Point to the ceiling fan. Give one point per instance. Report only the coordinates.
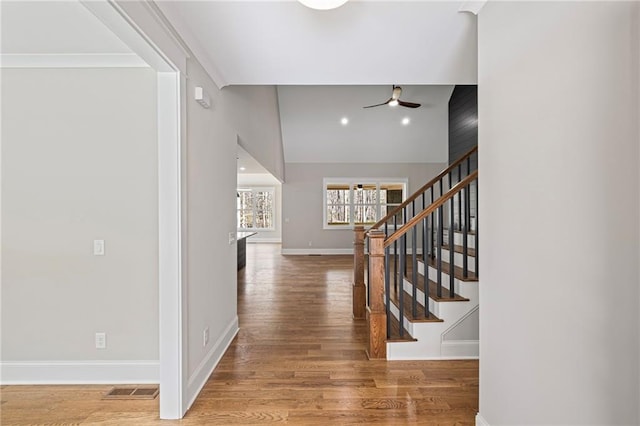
(395, 100)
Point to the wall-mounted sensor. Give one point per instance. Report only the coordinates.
(202, 98)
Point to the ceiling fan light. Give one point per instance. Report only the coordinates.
(323, 4)
(393, 102)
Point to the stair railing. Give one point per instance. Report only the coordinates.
(401, 214)
(379, 284)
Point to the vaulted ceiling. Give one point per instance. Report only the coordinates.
(327, 64)
(362, 42)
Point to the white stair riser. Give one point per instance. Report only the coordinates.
(440, 309)
(458, 259)
(460, 286)
(458, 239)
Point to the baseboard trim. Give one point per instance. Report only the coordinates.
(306, 252)
(79, 372)
(201, 374)
(480, 421)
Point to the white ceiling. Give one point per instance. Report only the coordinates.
(363, 42)
(47, 27)
(312, 131)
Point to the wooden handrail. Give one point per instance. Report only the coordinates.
(439, 202)
(424, 188)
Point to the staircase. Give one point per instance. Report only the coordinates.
(402, 271)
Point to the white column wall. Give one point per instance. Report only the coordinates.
(559, 192)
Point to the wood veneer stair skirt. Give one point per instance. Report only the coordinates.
(132, 392)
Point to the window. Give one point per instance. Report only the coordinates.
(255, 208)
(349, 202)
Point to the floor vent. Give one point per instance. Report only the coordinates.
(132, 392)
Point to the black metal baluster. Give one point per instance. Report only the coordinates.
(439, 250)
(404, 244)
(395, 254)
(452, 251)
(403, 261)
(387, 289)
(414, 270)
(465, 233)
(431, 236)
(425, 223)
(459, 198)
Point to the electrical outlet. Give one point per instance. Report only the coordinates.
(310, 243)
(101, 340)
(205, 336)
(232, 237)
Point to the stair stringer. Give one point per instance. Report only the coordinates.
(430, 344)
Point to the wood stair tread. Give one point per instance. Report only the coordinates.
(433, 291)
(459, 249)
(458, 273)
(407, 308)
(394, 332)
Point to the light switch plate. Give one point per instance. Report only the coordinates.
(232, 237)
(98, 247)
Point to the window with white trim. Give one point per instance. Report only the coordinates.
(256, 209)
(359, 201)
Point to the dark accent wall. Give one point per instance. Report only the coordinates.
(463, 121)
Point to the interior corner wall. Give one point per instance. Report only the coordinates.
(79, 163)
(559, 195)
(254, 111)
(302, 198)
(212, 136)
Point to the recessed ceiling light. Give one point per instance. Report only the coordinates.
(242, 169)
(344, 121)
(405, 121)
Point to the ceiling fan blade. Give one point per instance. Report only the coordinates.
(408, 104)
(384, 103)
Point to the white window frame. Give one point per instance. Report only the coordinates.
(351, 181)
(255, 189)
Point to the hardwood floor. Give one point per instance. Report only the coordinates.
(298, 358)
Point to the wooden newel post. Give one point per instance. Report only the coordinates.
(376, 311)
(359, 290)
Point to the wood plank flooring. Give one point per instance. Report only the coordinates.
(298, 359)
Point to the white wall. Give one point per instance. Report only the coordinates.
(253, 110)
(302, 199)
(265, 180)
(558, 146)
(79, 162)
(211, 201)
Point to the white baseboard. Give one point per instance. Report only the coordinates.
(203, 371)
(256, 240)
(480, 421)
(79, 372)
(326, 251)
